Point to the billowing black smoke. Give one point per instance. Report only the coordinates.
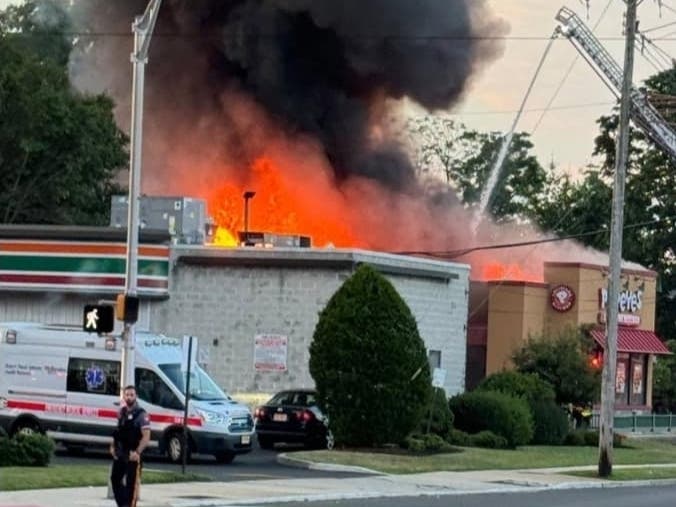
(318, 67)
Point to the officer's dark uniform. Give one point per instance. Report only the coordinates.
(126, 474)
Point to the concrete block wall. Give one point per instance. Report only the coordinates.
(440, 310)
(225, 306)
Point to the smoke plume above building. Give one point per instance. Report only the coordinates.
(319, 68)
(294, 99)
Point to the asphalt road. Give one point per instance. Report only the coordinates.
(259, 464)
(656, 496)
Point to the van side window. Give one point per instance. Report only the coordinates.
(94, 376)
(152, 389)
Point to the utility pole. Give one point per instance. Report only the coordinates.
(142, 28)
(605, 467)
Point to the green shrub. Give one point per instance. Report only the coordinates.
(550, 423)
(441, 420)
(500, 413)
(489, 440)
(562, 359)
(458, 437)
(26, 450)
(529, 386)
(574, 438)
(590, 438)
(414, 443)
(428, 442)
(369, 363)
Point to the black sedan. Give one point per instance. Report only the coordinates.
(293, 417)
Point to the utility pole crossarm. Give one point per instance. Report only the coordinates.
(644, 114)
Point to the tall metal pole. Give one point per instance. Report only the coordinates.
(605, 466)
(142, 27)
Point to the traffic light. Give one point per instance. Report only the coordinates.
(596, 358)
(98, 319)
(126, 308)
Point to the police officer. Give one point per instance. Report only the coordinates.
(129, 440)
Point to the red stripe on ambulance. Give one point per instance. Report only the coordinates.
(103, 413)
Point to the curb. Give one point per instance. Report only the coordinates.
(286, 460)
(433, 492)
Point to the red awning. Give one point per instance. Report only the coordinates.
(637, 341)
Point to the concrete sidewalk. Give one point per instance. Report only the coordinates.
(216, 494)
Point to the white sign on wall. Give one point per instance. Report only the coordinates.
(270, 351)
(438, 377)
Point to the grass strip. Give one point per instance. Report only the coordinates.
(637, 452)
(73, 476)
(631, 474)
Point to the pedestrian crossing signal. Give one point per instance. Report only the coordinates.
(98, 319)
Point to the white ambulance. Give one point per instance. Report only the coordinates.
(64, 382)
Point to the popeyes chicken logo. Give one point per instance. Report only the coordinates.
(562, 298)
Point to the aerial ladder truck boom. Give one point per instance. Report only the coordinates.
(643, 114)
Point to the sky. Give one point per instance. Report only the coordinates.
(567, 131)
(565, 135)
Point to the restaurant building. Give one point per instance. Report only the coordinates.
(504, 314)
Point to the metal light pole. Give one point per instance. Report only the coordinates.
(249, 194)
(142, 27)
(605, 467)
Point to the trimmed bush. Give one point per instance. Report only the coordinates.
(590, 438)
(562, 360)
(458, 437)
(441, 420)
(428, 442)
(500, 413)
(574, 438)
(26, 450)
(489, 440)
(550, 423)
(529, 386)
(369, 363)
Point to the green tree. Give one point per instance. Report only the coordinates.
(466, 157)
(59, 150)
(664, 390)
(563, 361)
(41, 26)
(369, 363)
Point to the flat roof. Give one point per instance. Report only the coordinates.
(345, 258)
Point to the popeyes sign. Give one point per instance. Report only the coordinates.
(629, 304)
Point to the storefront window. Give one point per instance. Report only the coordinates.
(621, 380)
(637, 395)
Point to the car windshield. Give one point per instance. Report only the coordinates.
(201, 386)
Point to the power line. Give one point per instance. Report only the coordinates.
(452, 254)
(533, 110)
(238, 36)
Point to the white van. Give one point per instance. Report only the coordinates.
(66, 383)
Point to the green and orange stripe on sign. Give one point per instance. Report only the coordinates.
(80, 266)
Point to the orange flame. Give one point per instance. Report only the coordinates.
(281, 205)
(495, 271)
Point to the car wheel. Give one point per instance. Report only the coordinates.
(176, 447)
(225, 457)
(265, 442)
(26, 427)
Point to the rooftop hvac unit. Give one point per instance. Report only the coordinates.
(183, 217)
(270, 240)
